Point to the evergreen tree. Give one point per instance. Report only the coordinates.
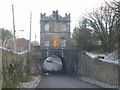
(82, 36)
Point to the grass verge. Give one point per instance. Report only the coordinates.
(10, 86)
(26, 78)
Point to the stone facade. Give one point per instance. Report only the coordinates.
(69, 60)
(55, 31)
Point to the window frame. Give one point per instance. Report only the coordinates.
(63, 27)
(63, 43)
(46, 27)
(47, 43)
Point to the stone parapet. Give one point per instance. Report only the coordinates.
(99, 70)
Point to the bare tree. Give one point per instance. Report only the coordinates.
(116, 7)
(104, 24)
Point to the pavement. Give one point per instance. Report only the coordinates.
(63, 81)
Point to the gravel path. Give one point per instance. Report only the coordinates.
(32, 84)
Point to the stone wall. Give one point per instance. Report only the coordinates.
(98, 70)
(35, 60)
(71, 58)
(0, 69)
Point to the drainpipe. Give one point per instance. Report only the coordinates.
(62, 52)
(47, 52)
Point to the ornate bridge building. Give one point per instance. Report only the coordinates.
(55, 40)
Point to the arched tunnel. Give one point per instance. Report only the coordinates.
(69, 59)
(56, 59)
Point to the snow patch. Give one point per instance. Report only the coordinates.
(109, 58)
(13, 51)
(93, 55)
(4, 48)
(22, 52)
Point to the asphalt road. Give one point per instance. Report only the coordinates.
(63, 81)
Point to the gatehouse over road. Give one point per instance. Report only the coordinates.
(55, 40)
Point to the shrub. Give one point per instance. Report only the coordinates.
(14, 68)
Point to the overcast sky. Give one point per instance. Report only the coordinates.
(22, 9)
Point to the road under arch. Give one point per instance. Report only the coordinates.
(57, 60)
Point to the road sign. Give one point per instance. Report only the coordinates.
(55, 43)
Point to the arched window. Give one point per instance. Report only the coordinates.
(63, 27)
(46, 27)
(63, 43)
(47, 43)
